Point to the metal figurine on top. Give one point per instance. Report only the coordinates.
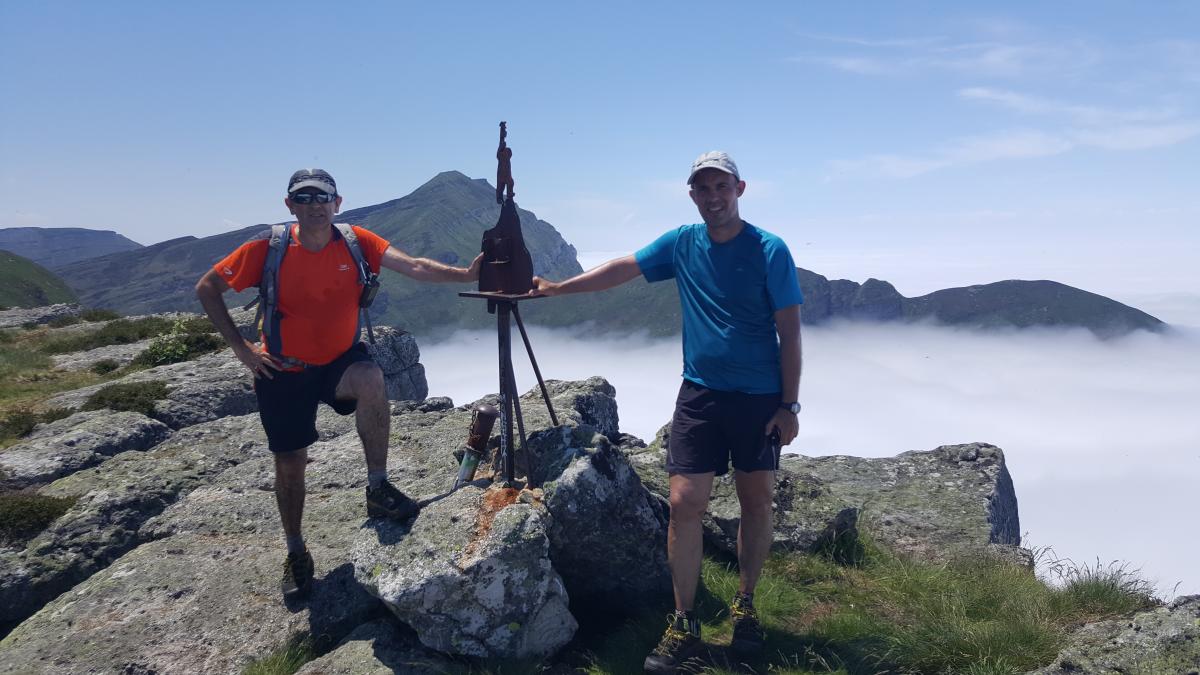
(504, 280)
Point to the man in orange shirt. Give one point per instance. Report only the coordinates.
(320, 359)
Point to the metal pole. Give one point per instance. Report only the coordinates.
(503, 332)
(533, 362)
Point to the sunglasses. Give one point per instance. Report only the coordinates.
(309, 197)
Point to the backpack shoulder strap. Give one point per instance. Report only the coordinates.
(365, 275)
(268, 288)
(351, 239)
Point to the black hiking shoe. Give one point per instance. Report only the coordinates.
(677, 646)
(386, 501)
(297, 575)
(748, 633)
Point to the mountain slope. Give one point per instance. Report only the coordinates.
(443, 219)
(55, 247)
(24, 283)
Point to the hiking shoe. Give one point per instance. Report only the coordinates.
(297, 575)
(748, 633)
(677, 646)
(386, 501)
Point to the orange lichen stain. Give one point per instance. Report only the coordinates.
(494, 499)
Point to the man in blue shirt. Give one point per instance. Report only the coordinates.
(741, 380)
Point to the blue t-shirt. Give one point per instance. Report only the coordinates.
(729, 293)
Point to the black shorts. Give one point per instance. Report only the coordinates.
(287, 403)
(710, 427)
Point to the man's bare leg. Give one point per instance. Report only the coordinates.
(755, 492)
(289, 489)
(685, 534)
(364, 381)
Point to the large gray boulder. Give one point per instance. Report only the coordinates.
(472, 576)
(114, 499)
(399, 358)
(929, 504)
(1162, 640)
(201, 591)
(608, 535)
(74, 443)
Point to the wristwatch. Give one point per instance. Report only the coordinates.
(793, 408)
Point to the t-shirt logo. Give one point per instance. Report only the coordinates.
(227, 271)
(343, 267)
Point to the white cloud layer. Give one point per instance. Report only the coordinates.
(1102, 438)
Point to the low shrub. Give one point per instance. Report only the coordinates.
(105, 366)
(21, 422)
(18, 423)
(98, 315)
(132, 396)
(64, 320)
(6, 337)
(187, 340)
(24, 515)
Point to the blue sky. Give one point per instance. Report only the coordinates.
(930, 144)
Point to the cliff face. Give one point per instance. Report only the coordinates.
(55, 247)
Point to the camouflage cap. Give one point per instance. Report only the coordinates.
(318, 178)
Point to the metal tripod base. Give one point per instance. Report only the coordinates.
(506, 309)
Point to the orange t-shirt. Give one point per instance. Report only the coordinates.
(318, 291)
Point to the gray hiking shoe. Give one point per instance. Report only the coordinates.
(297, 575)
(386, 501)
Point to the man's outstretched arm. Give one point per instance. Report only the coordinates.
(424, 269)
(612, 273)
(209, 290)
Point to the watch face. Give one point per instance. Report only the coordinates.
(793, 408)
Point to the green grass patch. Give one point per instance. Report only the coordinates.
(132, 396)
(24, 515)
(117, 332)
(976, 615)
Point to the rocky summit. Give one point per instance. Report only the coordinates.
(168, 557)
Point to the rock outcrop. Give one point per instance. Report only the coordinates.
(929, 504)
(74, 443)
(1162, 640)
(15, 318)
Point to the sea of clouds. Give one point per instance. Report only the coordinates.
(1102, 437)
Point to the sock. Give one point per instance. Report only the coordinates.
(295, 544)
(741, 599)
(686, 620)
(376, 478)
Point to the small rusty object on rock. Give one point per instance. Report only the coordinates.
(483, 418)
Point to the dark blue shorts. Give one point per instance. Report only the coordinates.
(712, 427)
(287, 403)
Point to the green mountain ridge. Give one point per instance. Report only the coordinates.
(444, 219)
(24, 283)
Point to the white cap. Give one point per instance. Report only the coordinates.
(714, 160)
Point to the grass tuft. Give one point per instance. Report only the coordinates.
(63, 321)
(284, 661)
